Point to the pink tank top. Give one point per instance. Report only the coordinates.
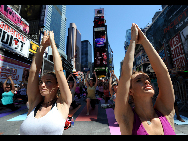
(138, 128)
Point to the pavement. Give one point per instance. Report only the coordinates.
(100, 122)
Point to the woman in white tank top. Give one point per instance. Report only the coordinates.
(49, 98)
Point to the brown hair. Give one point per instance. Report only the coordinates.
(51, 73)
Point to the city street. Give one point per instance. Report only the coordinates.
(100, 121)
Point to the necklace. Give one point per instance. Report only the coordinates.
(149, 122)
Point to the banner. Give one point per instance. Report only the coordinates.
(13, 40)
(99, 12)
(15, 68)
(14, 17)
(33, 47)
(171, 20)
(178, 55)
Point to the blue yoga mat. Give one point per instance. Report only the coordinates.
(179, 122)
(18, 118)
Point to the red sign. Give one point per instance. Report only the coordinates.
(14, 17)
(178, 55)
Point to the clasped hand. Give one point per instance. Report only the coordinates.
(48, 38)
(136, 34)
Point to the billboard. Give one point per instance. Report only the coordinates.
(178, 55)
(15, 68)
(100, 54)
(14, 17)
(171, 20)
(33, 47)
(99, 21)
(100, 57)
(170, 28)
(100, 39)
(99, 12)
(13, 40)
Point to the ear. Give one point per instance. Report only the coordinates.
(131, 92)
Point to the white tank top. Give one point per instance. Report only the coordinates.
(50, 124)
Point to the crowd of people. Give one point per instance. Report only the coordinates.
(50, 97)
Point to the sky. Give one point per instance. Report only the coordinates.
(118, 18)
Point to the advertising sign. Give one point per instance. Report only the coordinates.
(99, 28)
(99, 21)
(14, 17)
(13, 40)
(173, 19)
(99, 12)
(100, 57)
(15, 68)
(100, 39)
(178, 55)
(33, 47)
(184, 39)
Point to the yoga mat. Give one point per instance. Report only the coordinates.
(10, 111)
(179, 122)
(113, 125)
(92, 114)
(19, 118)
(71, 112)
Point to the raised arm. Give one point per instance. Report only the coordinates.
(12, 83)
(4, 84)
(74, 87)
(110, 86)
(125, 117)
(96, 79)
(66, 96)
(34, 96)
(87, 84)
(165, 99)
(68, 77)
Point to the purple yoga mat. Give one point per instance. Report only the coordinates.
(7, 112)
(113, 125)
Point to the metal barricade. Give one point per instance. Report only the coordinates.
(181, 93)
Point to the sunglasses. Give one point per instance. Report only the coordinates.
(7, 87)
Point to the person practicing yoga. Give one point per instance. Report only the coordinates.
(49, 98)
(144, 118)
(91, 88)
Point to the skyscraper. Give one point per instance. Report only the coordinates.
(56, 21)
(86, 55)
(73, 49)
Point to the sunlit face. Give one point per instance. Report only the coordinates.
(141, 86)
(48, 85)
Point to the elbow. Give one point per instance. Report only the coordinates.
(58, 69)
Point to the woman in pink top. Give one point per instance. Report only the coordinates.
(144, 118)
